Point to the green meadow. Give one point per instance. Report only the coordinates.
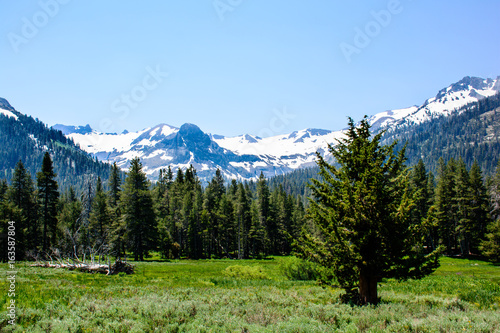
(247, 296)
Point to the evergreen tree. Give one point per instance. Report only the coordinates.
(490, 247)
(22, 194)
(48, 196)
(117, 225)
(445, 215)
(419, 184)
(137, 211)
(479, 210)
(68, 220)
(243, 221)
(8, 213)
(362, 214)
(264, 215)
(114, 184)
(462, 207)
(100, 219)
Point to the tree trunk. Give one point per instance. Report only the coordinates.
(368, 289)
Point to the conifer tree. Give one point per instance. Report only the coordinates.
(137, 211)
(243, 221)
(479, 211)
(48, 196)
(114, 184)
(444, 204)
(264, 215)
(361, 211)
(8, 213)
(68, 219)
(490, 246)
(100, 219)
(22, 194)
(462, 207)
(117, 225)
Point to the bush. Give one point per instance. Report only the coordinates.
(245, 272)
(297, 269)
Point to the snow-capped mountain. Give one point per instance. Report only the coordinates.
(7, 109)
(467, 90)
(246, 156)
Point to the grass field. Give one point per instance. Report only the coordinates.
(249, 296)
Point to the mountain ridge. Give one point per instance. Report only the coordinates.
(245, 156)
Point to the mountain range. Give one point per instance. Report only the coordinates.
(246, 156)
(462, 119)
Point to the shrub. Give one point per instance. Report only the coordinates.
(245, 272)
(297, 269)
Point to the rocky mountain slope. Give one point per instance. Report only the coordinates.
(246, 156)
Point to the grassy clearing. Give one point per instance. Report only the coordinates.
(248, 296)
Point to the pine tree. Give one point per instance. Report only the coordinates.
(100, 219)
(490, 247)
(419, 184)
(243, 221)
(8, 213)
(137, 212)
(48, 196)
(22, 194)
(462, 207)
(361, 211)
(114, 184)
(68, 220)
(443, 210)
(479, 210)
(264, 215)
(117, 225)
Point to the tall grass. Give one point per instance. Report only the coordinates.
(199, 296)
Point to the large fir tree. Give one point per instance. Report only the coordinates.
(48, 196)
(22, 194)
(361, 211)
(137, 211)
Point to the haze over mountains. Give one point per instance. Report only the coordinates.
(246, 156)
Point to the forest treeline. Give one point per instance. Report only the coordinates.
(179, 217)
(27, 139)
(471, 133)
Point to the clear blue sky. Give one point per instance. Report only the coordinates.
(237, 66)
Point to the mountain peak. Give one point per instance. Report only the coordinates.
(69, 129)
(4, 104)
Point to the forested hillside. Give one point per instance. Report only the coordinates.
(471, 132)
(26, 139)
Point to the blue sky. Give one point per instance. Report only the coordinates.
(237, 66)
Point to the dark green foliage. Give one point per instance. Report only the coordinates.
(363, 229)
(99, 219)
(136, 206)
(69, 218)
(48, 196)
(21, 194)
(460, 210)
(490, 246)
(472, 133)
(27, 140)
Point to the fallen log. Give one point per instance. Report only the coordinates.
(118, 267)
